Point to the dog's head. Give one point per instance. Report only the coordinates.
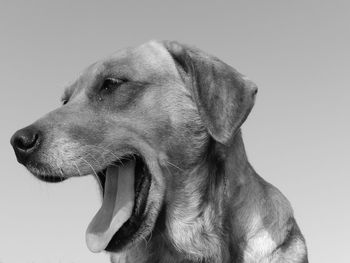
(130, 120)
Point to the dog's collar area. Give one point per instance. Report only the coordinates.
(131, 228)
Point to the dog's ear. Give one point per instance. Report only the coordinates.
(224, 97)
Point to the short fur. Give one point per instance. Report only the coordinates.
(181, 109)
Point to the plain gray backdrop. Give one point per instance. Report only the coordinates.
(297, 136)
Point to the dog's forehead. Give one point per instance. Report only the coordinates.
(143, 63)
(138, 63)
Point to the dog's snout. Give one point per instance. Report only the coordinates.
(24, 142)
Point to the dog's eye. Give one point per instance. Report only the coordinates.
(64, 102)
(110, 84)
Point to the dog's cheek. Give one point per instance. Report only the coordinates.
(187, 143)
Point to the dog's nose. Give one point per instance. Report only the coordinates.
(24, 142)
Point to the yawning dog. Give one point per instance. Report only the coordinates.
(159, 127)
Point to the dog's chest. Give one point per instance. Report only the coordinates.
(259, 242)
(259, 248)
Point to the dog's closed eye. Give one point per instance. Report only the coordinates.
(110, 84)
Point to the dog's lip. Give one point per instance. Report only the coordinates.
(45, 175)
(133, 227)
(50, 179)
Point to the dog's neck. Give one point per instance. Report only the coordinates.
(193, 224)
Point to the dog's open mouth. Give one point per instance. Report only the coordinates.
(118, 222)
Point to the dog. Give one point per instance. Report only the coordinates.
(159, 128)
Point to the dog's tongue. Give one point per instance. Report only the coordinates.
(117, 206)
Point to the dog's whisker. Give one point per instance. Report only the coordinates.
(149, 238)
(76, 166)
(94, 172)
(168, 170)
(106, 150)
(100, 156)
(97, 179)
(104, 153)
(97, 162)
(114, 165)
(181, 170)
(145, 240)
(60, 169)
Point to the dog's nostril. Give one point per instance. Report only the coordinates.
(25, 143)
(25, 140)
